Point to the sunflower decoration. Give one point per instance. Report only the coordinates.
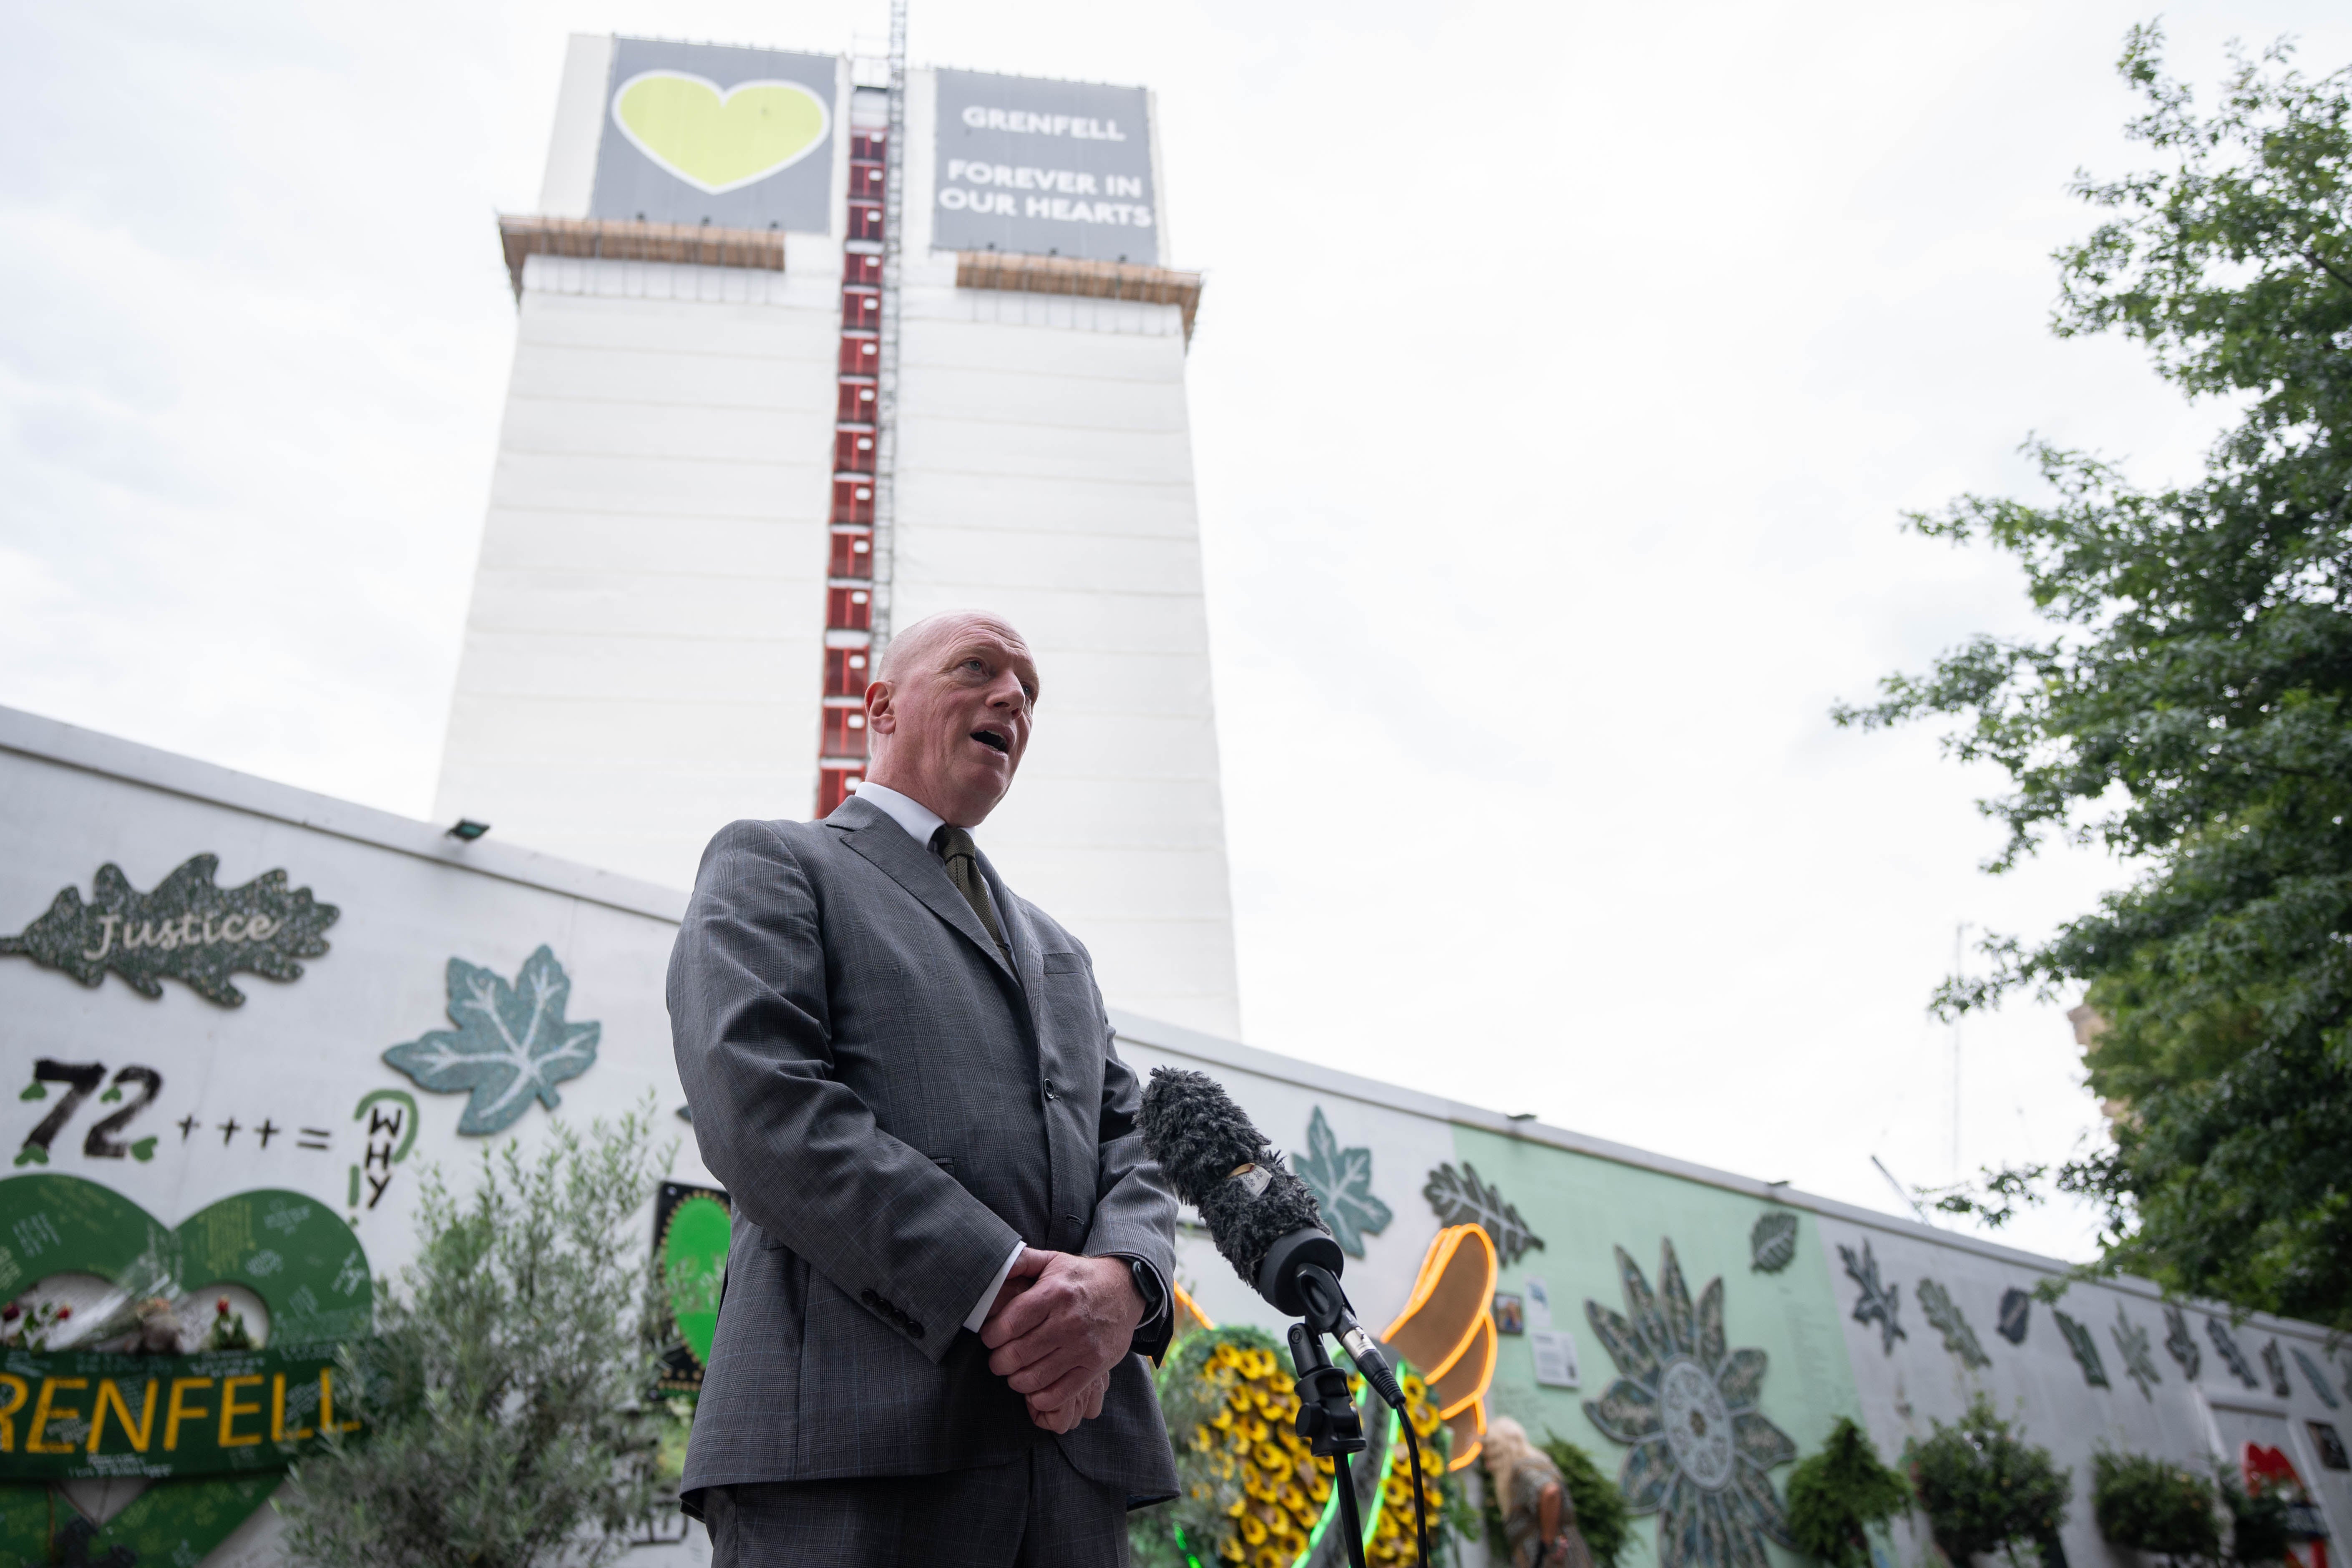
(1685, 1404)
(1250, 1494)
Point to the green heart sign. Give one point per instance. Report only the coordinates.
(291, 1250)
(718, 142)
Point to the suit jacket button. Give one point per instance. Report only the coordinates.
(916, 1329)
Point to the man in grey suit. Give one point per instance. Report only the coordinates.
(951, 1252)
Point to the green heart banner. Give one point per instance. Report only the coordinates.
(207, 1474)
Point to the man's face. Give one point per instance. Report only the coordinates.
(952, 722)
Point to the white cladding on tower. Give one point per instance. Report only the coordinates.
(646, 650)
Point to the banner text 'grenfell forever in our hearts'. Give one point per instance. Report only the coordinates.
(1044, 168)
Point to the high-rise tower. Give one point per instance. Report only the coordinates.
(752, 424)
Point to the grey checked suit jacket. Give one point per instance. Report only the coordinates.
(890, 1107)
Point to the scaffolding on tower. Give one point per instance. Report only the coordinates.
(886, 413)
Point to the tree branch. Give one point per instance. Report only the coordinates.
(2325, 265)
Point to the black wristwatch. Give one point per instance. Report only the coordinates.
(1147, 1285)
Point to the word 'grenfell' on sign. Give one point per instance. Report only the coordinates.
(1036, 167)
(187, 930)
(1025, 122)
(85, 1415)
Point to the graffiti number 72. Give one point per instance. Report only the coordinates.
(82, 1079)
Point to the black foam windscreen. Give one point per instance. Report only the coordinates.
(1222, 1165)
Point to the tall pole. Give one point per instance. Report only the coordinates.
(885, 374)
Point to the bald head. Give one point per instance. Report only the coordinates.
(949, 713)
(921, 642)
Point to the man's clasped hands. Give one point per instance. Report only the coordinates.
(1058, 1325)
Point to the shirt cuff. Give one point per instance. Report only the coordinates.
(988, 1296)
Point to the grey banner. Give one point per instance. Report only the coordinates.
(1044, 168)
(742, 138)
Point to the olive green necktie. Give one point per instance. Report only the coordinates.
(955, 846)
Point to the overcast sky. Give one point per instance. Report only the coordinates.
(1561, 375)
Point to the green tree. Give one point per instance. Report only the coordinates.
(1984, 1488)
(2144, 1503)
(1837, 1495)
(510, 1388)
(2187, 706)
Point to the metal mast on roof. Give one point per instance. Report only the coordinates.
(885, 374)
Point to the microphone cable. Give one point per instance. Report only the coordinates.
(1420, 1492)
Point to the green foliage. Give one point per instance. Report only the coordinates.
(1603, 1518)
(510, 1386)
(2189, 707)
(1836, 1496)
(2144, 1503)
(1983, 1487)
(2257, 1521)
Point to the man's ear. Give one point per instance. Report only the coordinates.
(881, 719)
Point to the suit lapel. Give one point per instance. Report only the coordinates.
(913, 867)
(1023, 937)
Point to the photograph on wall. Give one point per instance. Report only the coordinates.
(733, 136)
(1044, 168)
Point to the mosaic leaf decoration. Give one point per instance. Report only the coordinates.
(511, 1044)
(1772, 1245)
(2181, 1341)
(1880, 1304)
(2318, 1380)
(1461, 1198)
(187, 930)
(2275, 1365)
(1701, 1452)
(2085, 1349)
(2131, 1344)
(2231, 1356)
(1342, 1180)
(1944, 1315)
(2016, 1314)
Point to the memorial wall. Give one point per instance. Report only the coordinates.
(243, 1018)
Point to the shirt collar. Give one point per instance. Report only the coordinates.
(919, 820)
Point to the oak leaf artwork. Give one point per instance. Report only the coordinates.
(188, 930)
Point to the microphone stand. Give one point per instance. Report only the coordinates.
(1327, 1419)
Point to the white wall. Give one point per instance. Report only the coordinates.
(2040, 1385)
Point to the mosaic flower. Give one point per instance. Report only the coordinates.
(1685, 1405)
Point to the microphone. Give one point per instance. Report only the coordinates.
(1264, 1219)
